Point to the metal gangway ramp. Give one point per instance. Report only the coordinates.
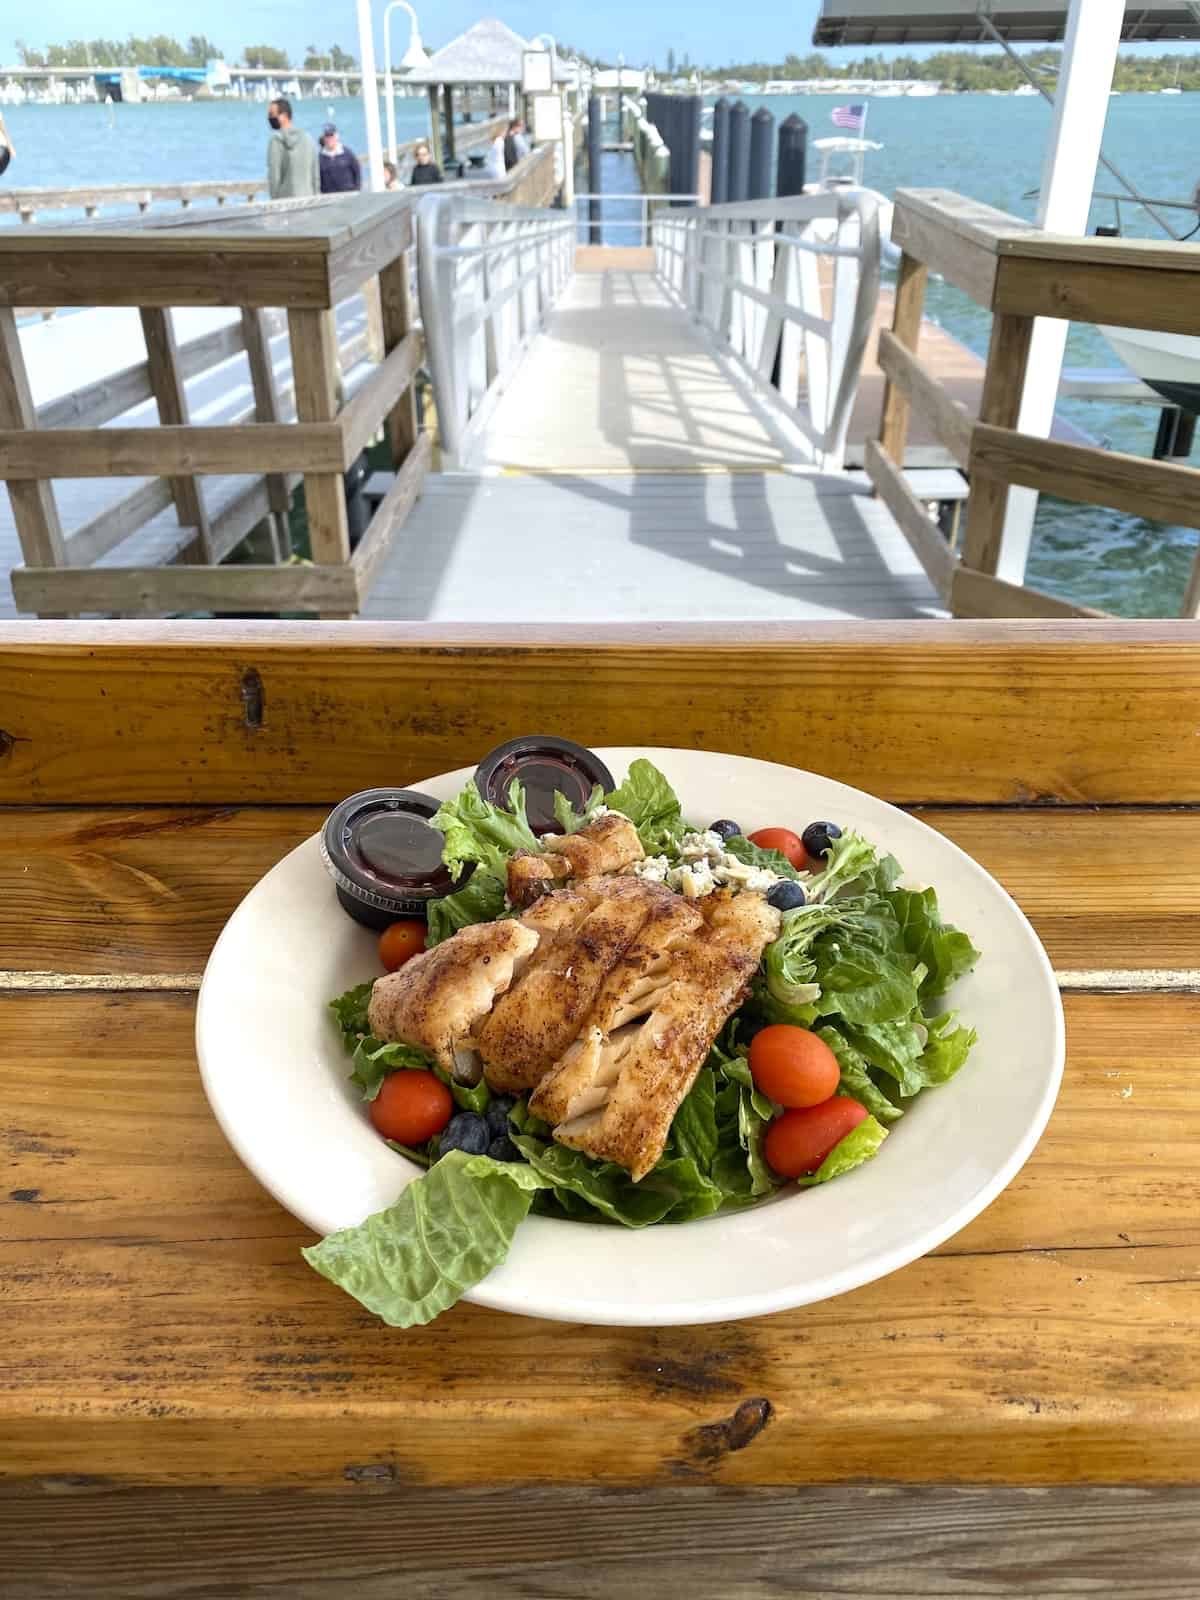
(649, 434)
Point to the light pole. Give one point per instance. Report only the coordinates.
(414, 56)
(370, 90)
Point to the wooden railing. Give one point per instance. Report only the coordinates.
(1019, 273)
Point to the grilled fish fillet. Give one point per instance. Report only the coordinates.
(435, 1001)
(615, 1097)
(610, 844)
(532, 1024)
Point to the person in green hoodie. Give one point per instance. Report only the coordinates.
(293, 168)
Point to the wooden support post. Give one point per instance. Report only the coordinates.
(315, 378)
(1008, 354)
(396, 306)
(266, 409)
(34, 510)
(162, 360)
(448, 108)
(911, 283)
(435, 126)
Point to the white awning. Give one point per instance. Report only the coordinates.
(867, 22)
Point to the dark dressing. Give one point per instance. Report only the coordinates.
(545, 765)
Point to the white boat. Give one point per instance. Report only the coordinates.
(890, 91)
(1025, 89)
(852, 155)
(922, 91)
(1168, 362)
(1170, 91)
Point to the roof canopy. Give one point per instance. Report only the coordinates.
(489, 52)
(957, 21)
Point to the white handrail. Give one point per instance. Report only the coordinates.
(489, 274)
(750, 274)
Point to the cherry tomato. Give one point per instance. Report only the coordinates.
(411, 1106)
(401, 942)
(785, 841)
(792, 1066)
(798, 1141)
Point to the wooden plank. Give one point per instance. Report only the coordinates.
(982, 594)
(369, 253)
(965, 256)
(128, 275)
(1156, 489)
(965, 712)
(1087, 291)
(164, 451)
(107, 529)
(34, 510)
(1003, 386)
(392, 512)
(909, 381)
(157, 591)
(244, 513)
(315, 379)
(926, 538)
(170, 398)
(909, 306)
(395, 300)
(266, 409)
(381, 395)
(162, 1327)
(112, 396)
(146, 891)
(689, 1543)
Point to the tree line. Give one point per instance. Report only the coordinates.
(160, 50)
(965, 70)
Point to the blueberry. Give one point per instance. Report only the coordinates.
(496, 1115)
(504, 1150)
(786, 896)
(819, 836)
(724, 829)
(467, 1131)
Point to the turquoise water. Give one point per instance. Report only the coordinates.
(985, 146)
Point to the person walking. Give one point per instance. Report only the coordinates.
(340, 171)
(425, 168)
(512, 144)
(494, 167)
(293, 169)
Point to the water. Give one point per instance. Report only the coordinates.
(989, 147)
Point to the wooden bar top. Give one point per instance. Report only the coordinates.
(160, 1326)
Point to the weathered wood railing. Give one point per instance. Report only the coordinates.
(307, 256)
(1019, 273)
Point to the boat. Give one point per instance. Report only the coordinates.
(922, 91)
(852, 154)
(1025, 89)
(1168, 362)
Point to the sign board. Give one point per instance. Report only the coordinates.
(537, 74)
(547, 127)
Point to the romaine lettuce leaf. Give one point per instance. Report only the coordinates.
(859, 980)
(444, 1234)
(675, 1191)
(892, 1047)
(650, 803)
(851, 857)
(570, 820)
(481, 899)
(942, 949)
(789, 964)
(474, 830)
(755, 856)
(947, 1048)
(856, 1080)
(350, 1010)
(859, 1145)
(373, 1061)
(694, 1130)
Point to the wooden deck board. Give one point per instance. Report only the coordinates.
(634, 546)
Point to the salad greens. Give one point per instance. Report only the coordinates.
(863, 964)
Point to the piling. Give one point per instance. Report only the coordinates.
(720, 152)
(595, 149)
(793, 155)
(762, 136)
(739, 152)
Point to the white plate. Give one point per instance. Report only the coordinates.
(276, 1077)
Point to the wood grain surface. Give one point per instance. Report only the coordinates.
(1011, 713)
(682, 1544)
(147, 890)
(162, 1327)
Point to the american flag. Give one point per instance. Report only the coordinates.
(852, 118)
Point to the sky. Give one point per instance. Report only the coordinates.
(709, 30)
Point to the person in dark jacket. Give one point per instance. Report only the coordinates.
(513, 144)
(6, 147)
(425, 168)
(340, 171)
